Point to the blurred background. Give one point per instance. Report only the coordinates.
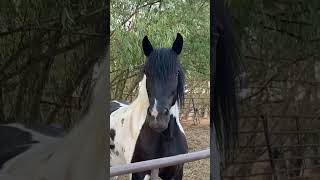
(280, 98)
(47, 54)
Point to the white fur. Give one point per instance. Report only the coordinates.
(174, 110)
(78, 156)
(127, 130)
(154, 111)
(146, 177)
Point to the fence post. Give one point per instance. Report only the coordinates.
(154, 174)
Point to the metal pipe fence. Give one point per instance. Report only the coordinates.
(155, 164)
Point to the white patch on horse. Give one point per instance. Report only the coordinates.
(174, 110)
(154, 111)
(127, 131)
(146, 177)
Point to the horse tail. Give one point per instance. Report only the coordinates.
(225, 66)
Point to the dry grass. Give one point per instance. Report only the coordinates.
(198, 138)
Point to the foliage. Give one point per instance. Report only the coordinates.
(161, 21)
(279, 42)
(46, 53)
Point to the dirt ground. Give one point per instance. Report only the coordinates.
(198, 138)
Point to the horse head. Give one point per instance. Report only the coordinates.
(164, 81)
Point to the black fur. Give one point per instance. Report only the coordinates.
(146, 45)
(224, 74)
(14, 141)
(163, 65)
(112, 134)
(152, 145)
(165, 82)
(115, 105)
(178, 44)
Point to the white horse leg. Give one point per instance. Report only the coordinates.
(146, 177)
(114, 178)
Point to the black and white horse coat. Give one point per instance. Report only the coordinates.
(79, 155)
(131, 140)
(125, 125)
(149, 128)
(17, 138)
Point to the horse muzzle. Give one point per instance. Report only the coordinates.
(158, 124)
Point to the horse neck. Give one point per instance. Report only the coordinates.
(139, 110)
(93, 124)
(88, 138)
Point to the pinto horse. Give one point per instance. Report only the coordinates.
(149, 127)
(78, 155)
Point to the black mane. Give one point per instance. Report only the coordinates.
(224, 74)
(163, 65)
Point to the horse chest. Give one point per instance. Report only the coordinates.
(122, 143)
(151, 145)
(122, 149)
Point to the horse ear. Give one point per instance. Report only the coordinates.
(177, 44)
(147, 47)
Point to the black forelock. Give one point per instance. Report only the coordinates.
(163, 64)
